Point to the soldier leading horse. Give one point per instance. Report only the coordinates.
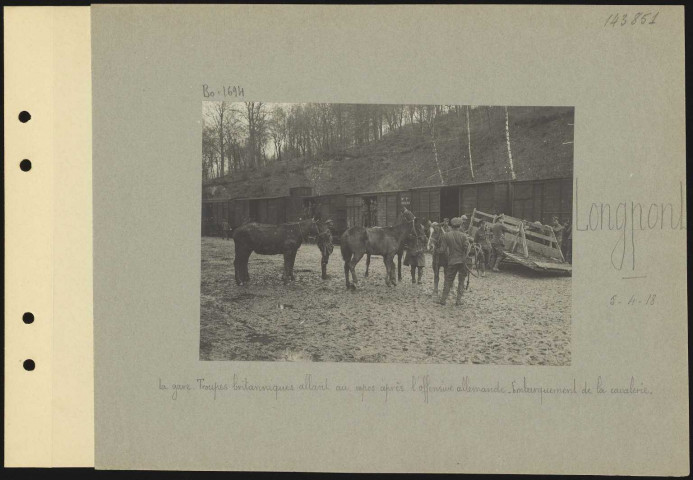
(266, 239)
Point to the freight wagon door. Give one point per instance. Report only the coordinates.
(426, 204)
(370, 211)
(337, 212)
(262, 211)
(381, 212)
(449, 202)
(484, 198)
(294, 208)
(468, 200)
(554, 202)
(501, 199)
(353, 209)
(240, 212)
(523, 201)
(276, 211)
(253, 210)
(391, 209)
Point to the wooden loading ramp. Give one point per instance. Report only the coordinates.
(538, 251)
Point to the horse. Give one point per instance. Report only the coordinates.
(440, 258)
(385, 241)
(266, 239)
(426, 224)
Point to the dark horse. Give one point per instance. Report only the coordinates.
(384, 241)
(265, 239)
(426, 229)
(440, 258)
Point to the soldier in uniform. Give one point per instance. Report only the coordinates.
(326, 247)
(415, 256)
(558, 230)
(457, 246)
(446, 225)
(405, 215)
(498, 241)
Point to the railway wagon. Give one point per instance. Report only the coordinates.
(332, 207)
(235, 212)
(275, 210)
(535, 200)
(532, 200)
(267, 210)
(543, 199)
(216, 212)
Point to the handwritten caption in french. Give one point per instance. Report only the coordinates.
(424, 387)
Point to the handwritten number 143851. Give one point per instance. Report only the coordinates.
(623, 19)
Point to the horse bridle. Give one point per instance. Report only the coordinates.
(300, 230)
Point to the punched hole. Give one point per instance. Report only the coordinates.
(29, 365)
(24, 116)
(28, 318)
(25, 165)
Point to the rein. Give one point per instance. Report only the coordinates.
(303, 237)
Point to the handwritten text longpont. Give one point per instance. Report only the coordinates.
(627, 217)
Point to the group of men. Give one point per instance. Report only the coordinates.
(457, 244)
(490, 237)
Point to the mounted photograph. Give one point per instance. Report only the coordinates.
(370, 233)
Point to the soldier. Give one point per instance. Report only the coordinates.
(498, 241)
(464, 226)
(326, 247)
(483, 239)
(446, 225)
(405, 215)
(457, 245)
(415, 256)
(558, 230)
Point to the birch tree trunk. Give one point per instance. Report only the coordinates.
(435, 149)
(507, 140)
(469, 144)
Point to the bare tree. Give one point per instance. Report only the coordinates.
(218, 117)
(255, 115)
(277, 125)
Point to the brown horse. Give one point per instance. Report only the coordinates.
(383, 241)
(426, 225)
(266, 239)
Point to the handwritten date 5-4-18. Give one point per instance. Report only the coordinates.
(633, 299)
(623, 19)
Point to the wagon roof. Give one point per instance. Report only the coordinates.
(276, 197)
(380, 192)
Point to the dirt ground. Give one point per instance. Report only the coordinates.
(511, 317)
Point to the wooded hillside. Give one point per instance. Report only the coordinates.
(340, 148)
